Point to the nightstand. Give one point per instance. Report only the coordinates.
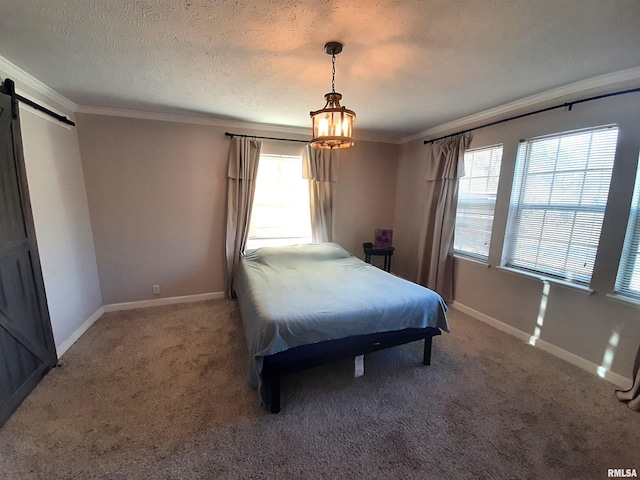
(387, 253)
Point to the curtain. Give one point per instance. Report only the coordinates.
(444, 165)
(320, 167)
(632, 395)
(242, 170)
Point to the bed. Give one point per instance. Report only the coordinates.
(306, 305)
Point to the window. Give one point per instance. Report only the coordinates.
(280, 214)
(476, 201)
(558, 203)
(628, 281)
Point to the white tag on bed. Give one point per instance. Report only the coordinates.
(359, 366)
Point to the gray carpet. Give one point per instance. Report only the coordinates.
(161, 393)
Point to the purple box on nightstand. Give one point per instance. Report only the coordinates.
(384, 238)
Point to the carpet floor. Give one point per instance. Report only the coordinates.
(161, 393)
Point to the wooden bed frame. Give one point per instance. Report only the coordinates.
(309, 356)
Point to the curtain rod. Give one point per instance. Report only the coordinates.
(567, 105)
(227, 134)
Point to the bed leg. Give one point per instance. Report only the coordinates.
(426, 360)
(274, 384)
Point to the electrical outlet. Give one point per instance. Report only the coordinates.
(156, 289)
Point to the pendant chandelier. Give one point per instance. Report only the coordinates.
(333, 125)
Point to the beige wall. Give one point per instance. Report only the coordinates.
(157, 198)
(409, 208)
(61, 218)
(574, 321)
(366, 192)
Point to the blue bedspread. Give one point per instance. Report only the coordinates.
(303, 294)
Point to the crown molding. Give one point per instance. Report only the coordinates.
(195, 119)
(20, 77)
(218, 122)
(583, 86)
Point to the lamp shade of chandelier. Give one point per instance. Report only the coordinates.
(333, 124)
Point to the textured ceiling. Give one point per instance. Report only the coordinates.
(406, 65)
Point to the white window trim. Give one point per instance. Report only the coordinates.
(578, 287)
(616, 297)
(474, 257)
(507, 240)
(252, 241)
(625, 271)
(470, 259)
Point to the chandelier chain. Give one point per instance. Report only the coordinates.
(333, 73)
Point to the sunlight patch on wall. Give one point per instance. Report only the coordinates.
(610, 352)
(543, 308)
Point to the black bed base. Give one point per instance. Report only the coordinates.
(309, 356)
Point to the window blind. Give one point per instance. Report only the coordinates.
(281, 212)
(558, 203)
(476, 201)
(628, 280)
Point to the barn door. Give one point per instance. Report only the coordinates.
(27, 351)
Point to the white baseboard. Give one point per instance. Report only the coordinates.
(114, 307)
(64, 346)
(612, 377)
